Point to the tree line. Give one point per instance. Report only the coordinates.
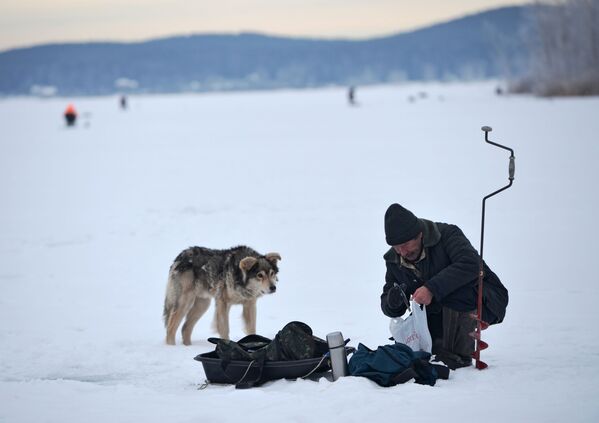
(564, 49)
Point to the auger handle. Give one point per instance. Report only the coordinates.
(512, 168)
(511, 172)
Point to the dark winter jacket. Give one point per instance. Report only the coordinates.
(450, 271)
(390, 365)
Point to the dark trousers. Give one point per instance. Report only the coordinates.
(450, 331)
(70, 118)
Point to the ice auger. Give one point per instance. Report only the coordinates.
(480, 323)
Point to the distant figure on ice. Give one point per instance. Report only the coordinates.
(351, 95)
(123, 102)
(70, 115)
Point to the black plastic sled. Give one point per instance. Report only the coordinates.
(237, 372)
(293, 353)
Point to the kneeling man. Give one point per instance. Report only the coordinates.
(436, 264)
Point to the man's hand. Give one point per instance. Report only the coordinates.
(423, 295)
(394, 298)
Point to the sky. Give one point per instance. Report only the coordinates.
(30, 22)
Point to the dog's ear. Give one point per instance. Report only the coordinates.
(273, 257)
(247, 263)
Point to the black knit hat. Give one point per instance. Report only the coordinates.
(400, 225)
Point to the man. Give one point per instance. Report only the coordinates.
(70, 115)
(437, 265)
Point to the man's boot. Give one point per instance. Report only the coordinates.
(457, 344)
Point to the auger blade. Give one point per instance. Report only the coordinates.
(483, 325)
(476, 353)
(481, 365)
(476, 335)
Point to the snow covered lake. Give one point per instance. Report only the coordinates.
(93, 216)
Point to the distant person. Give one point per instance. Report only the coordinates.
(436, 264)
(351, 95)
(123, 102)
(70, 115)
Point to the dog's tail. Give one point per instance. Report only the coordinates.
(169, 301)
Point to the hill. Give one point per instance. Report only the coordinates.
(474, 46)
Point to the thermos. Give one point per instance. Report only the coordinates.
(338, 354)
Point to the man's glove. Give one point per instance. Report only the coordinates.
(396, 296)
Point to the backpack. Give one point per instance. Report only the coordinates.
(294, 342)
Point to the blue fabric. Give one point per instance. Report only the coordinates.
(386, 365)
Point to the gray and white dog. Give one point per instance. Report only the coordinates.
(238, 275)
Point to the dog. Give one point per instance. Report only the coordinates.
(237, 275)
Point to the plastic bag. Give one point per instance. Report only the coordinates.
(413, 330)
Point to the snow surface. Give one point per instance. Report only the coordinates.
(93, 216)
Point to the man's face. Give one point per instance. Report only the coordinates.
(411, 249)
